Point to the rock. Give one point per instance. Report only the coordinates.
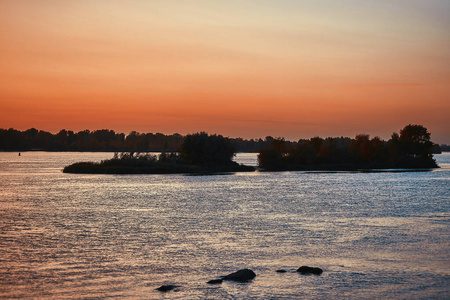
(215, 281)
(309, 270)
(281, 271)
(166, 288)
(243, 275)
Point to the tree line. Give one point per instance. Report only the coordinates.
(107, 140)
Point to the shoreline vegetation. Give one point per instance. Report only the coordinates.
(105, 140)
(201, 153)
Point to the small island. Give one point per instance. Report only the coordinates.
(200, 153)
(411, 149)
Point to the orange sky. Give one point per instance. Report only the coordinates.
(239, 68)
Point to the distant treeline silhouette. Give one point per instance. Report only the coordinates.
(106, 140)
(412, 148)
(306, 152)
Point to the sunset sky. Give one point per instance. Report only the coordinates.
(248, 69)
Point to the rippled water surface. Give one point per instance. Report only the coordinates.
(375, 235)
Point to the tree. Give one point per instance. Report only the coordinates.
(414, 141)
(273, 157)
(415, 133)
(361, 146)
(203, 149)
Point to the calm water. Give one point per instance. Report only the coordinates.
(376, 235)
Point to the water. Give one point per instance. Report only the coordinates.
(71, 236)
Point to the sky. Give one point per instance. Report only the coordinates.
(284, 68)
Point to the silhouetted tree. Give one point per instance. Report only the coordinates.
(273, 157)
(203, 149)
(415, 141)
(361, 147)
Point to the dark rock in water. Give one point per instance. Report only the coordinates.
(166, 288)
(309, 270)
(243, 275)
(281, 271)
(215, 281)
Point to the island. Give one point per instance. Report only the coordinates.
(411, 149)
(200, 153)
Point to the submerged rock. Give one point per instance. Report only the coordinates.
(309, 270)
(281, 271)
(243, 275)
(215, 281)
(166, 288)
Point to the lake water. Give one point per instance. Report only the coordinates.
(71, 236)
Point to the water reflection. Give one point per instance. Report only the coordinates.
(85, 236)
